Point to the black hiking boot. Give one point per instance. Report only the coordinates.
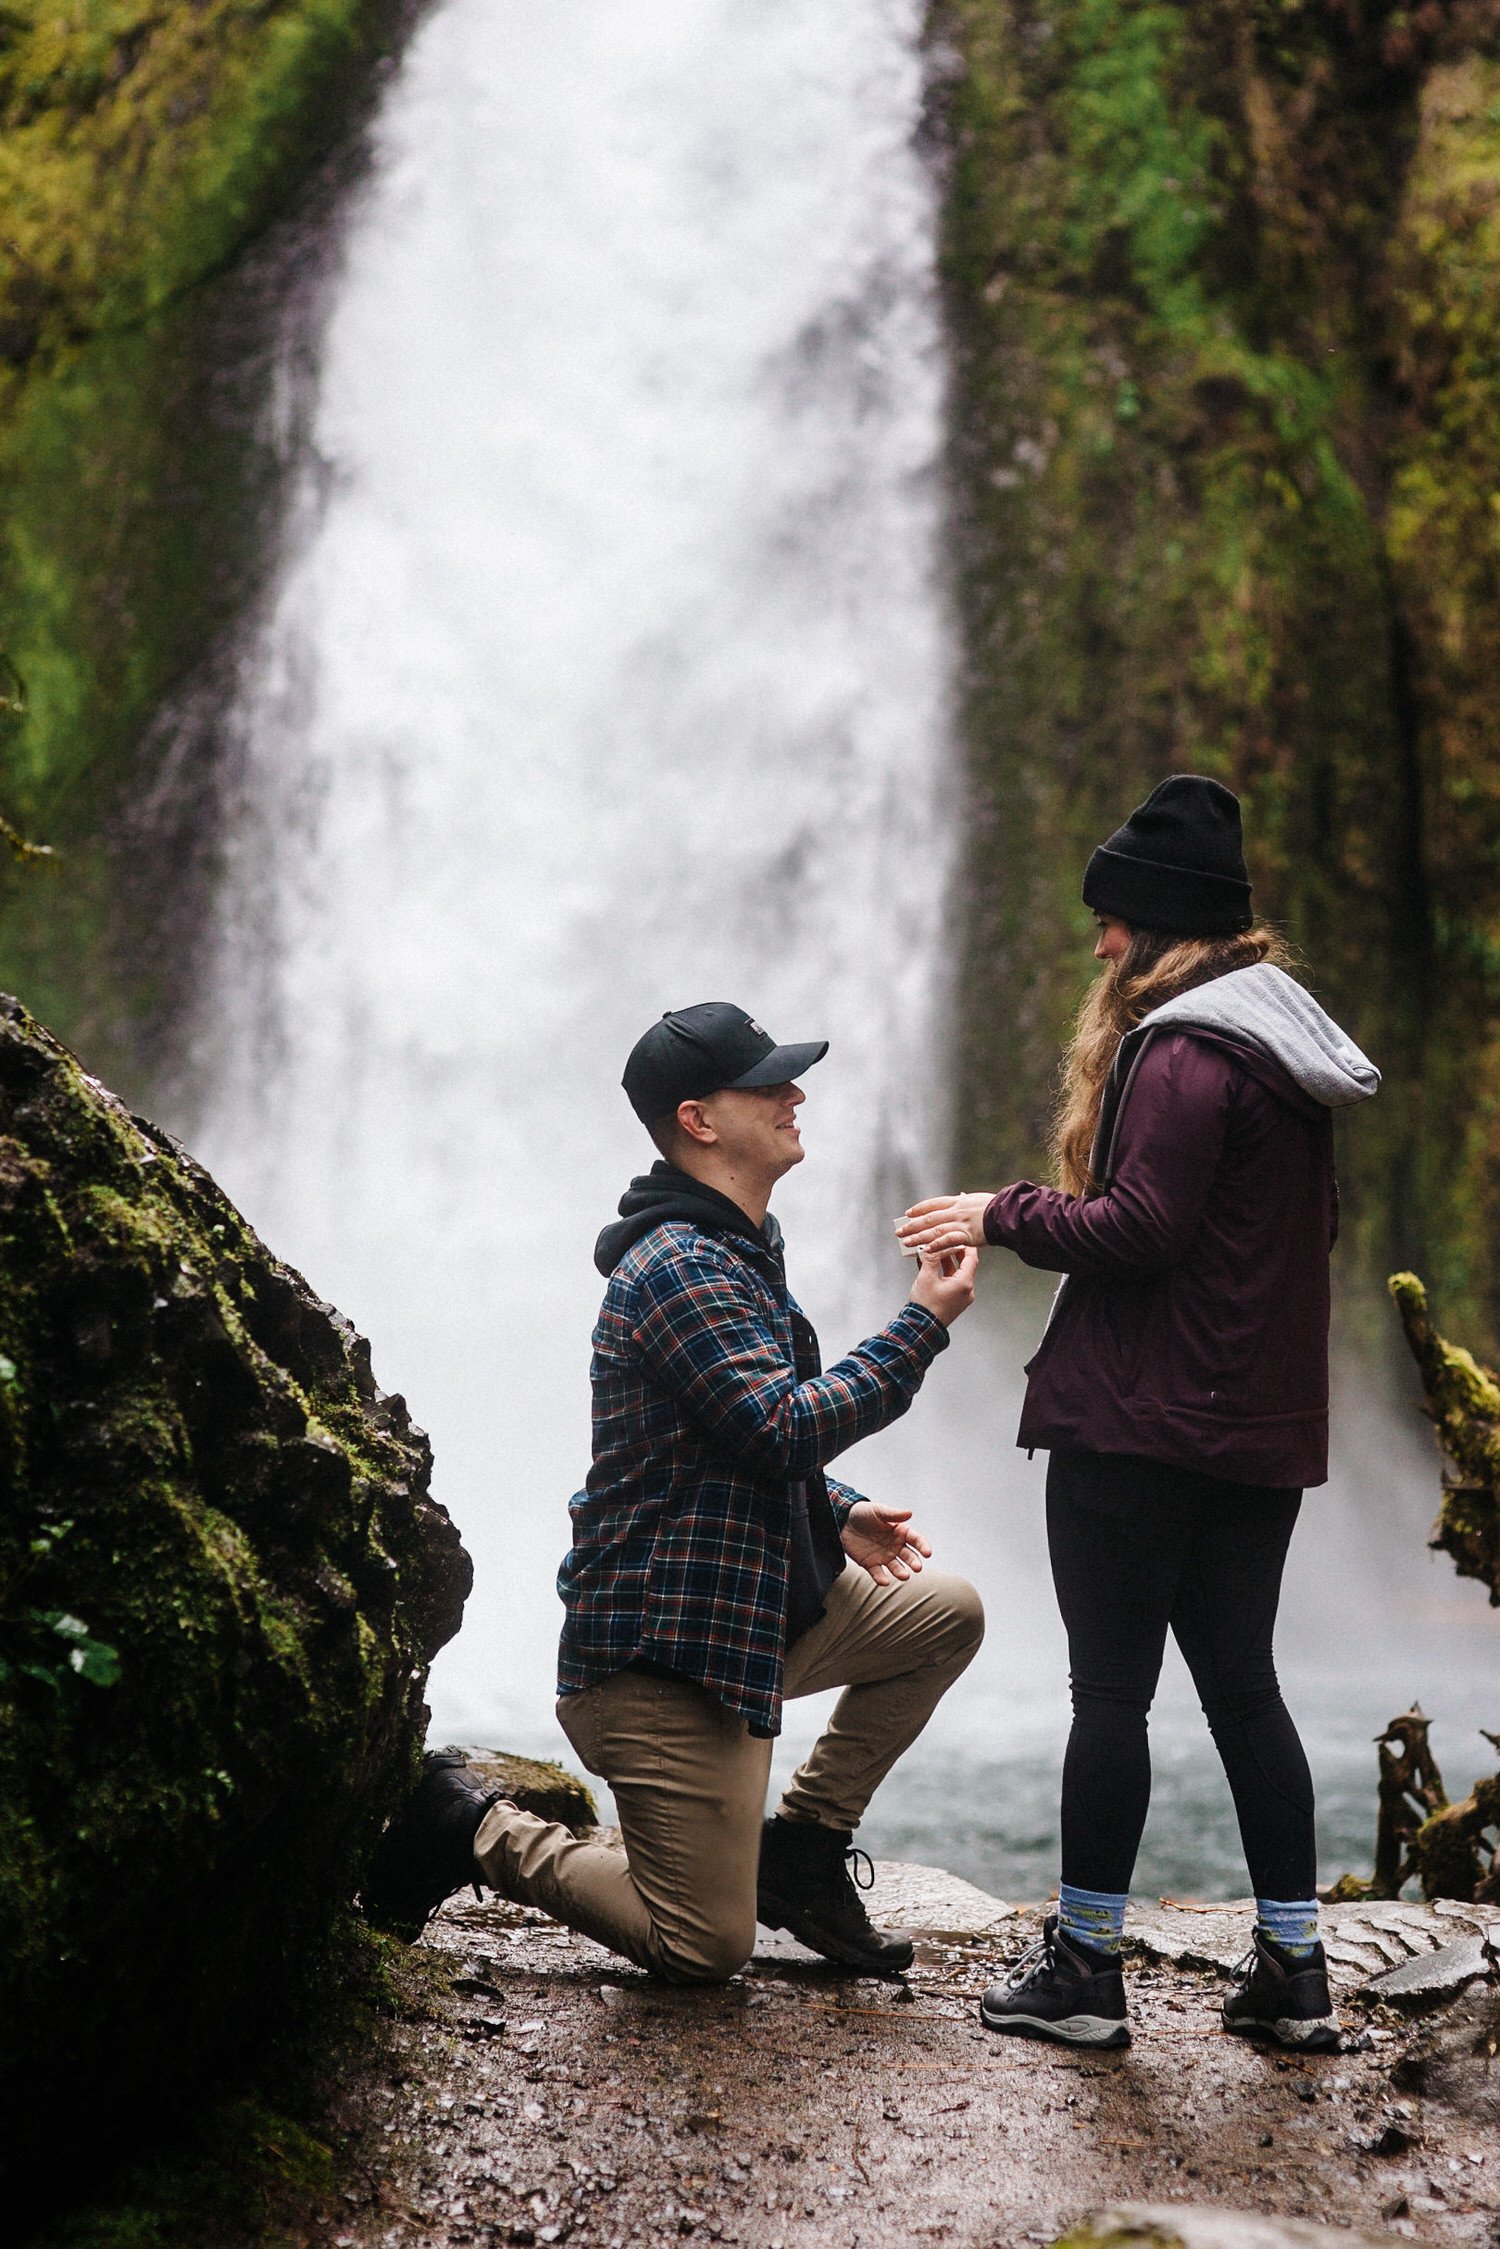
(1282, 1997)
(1062, 1991)
(807, 1885)
(427, 1852)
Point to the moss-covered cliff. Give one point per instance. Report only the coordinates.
(221, 1582)
(144, 150)
(1225, 297)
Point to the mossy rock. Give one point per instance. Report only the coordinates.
(537, 1785)
(222, 1580)
(1462, 1400)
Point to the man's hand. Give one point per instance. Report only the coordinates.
(944, 1285)
(880, 1539)
(946, 1222)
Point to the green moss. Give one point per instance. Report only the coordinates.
(261, 2164)
(1444, 543)
(537, 1785)
(1453, 1849)
(130, 538)
(142, 151)
(1199, 430)
(242, 1521)
(1114, 2231)
(141, 147)
(1463, 1402)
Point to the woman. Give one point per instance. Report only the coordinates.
(1181, 1389)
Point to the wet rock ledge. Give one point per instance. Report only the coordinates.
(222, 1579)
(559, 2096)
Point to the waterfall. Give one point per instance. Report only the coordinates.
(607, 673)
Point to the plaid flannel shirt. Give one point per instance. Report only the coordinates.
(708, 1401)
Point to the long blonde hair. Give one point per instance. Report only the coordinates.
(1154, 967)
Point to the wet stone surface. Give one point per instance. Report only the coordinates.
(1444, 1974)
(566, 2098)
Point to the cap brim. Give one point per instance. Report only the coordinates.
(780, 1066)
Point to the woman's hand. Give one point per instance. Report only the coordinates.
(947, 1222)
(880, 1539)
(944, 1285)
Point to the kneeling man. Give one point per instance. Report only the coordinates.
(709, 1575)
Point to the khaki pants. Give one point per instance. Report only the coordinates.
(677, 1893)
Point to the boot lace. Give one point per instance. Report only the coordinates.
(856, 1859)
(853, 1873)
(1035, 1961)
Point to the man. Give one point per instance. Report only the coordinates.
(709, 1577)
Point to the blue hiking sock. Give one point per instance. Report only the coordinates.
(1092, 1918)
(1290, 1923)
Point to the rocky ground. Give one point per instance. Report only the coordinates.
(562, 2097)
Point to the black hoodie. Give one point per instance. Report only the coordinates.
(815, 1554)
(664, 1192)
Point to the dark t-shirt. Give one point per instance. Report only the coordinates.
(809, 1573)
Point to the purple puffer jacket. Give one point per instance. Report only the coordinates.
(1193, 1325)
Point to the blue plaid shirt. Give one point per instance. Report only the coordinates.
(708, 1403)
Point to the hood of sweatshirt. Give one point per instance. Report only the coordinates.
(665, 1192)
(1264, 1008)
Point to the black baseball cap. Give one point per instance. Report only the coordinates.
(694, 1051)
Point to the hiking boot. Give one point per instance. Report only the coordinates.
(427, 1852)
(1280, 1996)
(807, 1884)
(1062, 1991)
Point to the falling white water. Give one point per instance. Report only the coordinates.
(610, 675)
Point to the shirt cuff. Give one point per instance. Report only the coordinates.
(920, 1331)
(841, 1499)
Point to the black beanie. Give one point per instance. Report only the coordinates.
(1177, 864)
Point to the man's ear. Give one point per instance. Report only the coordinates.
(692, 1119)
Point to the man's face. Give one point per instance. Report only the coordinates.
(756, 1127)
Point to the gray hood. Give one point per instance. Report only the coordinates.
(1263, 1007)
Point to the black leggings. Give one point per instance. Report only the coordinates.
(1137, 1547)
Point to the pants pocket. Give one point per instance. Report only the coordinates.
(583, 1722)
